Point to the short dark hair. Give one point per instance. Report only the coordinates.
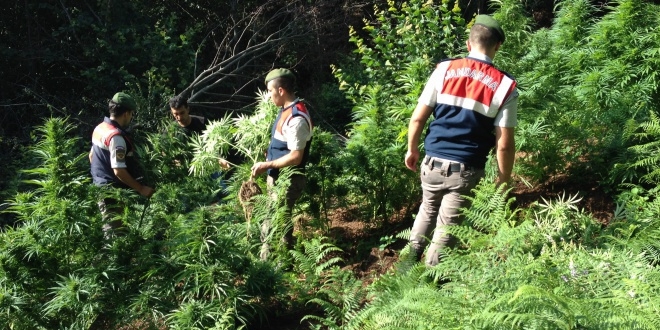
(116, 109)
(178, 102)
(484, 36)
(284, 82)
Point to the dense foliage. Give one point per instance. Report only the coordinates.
(588, 109)
(551, 266)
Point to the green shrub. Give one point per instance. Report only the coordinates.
(179, 256)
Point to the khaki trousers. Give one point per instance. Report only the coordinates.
(442, 198)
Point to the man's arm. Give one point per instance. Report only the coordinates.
(125, 177)
(415, 127)
(506, 152)
(118, 163)
(293, 158)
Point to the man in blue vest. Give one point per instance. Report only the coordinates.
(112, 160)
(291, 137)
(474, 106)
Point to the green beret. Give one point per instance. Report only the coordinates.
(490, 23)
(125, 100)
(279, 73)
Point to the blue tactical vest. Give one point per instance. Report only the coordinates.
(472, 94)
(102, 172)
(278, 148)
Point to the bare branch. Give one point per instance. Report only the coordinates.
(241, 51)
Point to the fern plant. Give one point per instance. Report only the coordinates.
(635, 223)
(640, 162)
(316, 258)
(340, 297)
(340, 294)
(518, 273)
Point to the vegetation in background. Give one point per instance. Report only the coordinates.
(587, 109)
(552, 266)
(581, 81)
(394, 61)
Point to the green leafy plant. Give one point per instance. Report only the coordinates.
(210, 147)
(316, 258)
(58, 271)
(340, 294)
(395, 58)
(340, 297)
(584, 78)
(519, 275)
(640, 162)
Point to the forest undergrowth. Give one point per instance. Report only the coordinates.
(573, 243)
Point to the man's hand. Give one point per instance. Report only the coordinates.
(223, 163)
(411, 160)
(506, 152)
(259, 168)
(125, 177)
(146, 191)
(415, 127)
(293, 158)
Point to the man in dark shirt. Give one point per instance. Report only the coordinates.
(189, 123)
(181, 113)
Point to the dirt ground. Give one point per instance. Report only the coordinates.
(369, 258)
(346, 227)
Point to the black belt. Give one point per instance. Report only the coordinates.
(453, 166)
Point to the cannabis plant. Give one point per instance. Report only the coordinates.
(180, 254)
(252, 133)
(584, 77)
(54, 237)
(394, 61)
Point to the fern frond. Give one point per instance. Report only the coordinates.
(490, 207)
(315, 258)
(340, 297)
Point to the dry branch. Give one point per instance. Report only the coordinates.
(257, 35)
